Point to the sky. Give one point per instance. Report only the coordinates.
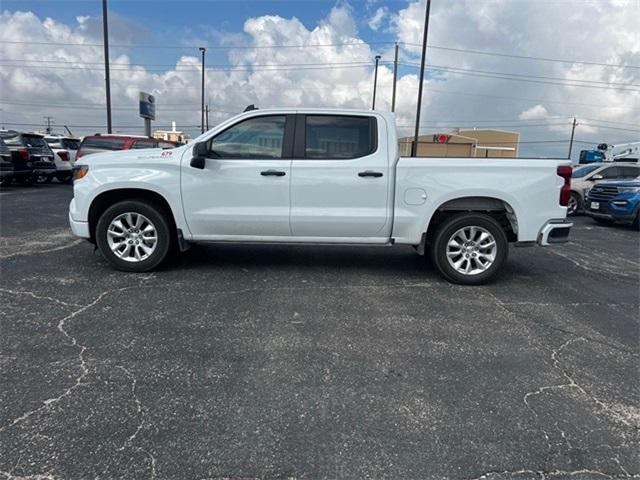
(520, 65)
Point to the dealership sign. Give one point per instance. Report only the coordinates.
(147, 106)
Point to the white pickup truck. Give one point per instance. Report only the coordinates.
(317, 176)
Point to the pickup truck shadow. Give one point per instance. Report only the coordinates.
(383, 260)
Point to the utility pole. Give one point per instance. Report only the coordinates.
(48, 119)
(395, 79)
(202, 50)
(105, 32)
(414, 145)
(573, 131)
(375, 83)
(207, 117)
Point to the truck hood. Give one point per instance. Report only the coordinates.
(134, 156)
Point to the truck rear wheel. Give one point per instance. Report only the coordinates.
(134, 236)
(469, 248)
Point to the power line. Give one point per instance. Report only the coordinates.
(523, 57)
(610, 127)
(522, 78)
(195, 68)
(195, 47)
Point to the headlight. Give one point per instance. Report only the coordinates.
(80, 171)
(628, 189)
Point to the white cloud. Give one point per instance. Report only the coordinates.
(602, 31)
(376, 20)
(534, 113)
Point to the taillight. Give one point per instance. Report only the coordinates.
(79, 154)
(565, 171)
(24, 154)
(64, 155)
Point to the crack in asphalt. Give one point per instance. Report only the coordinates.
(572, 384)
(544, 474)
(39, 297)
(49, 402)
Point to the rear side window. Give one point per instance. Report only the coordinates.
(70, 144)
(144, 144)
(12, 139)
(35, 141)
(629, 172)
(97, 144)
(339, 137)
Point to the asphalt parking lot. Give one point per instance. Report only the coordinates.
(283, 362)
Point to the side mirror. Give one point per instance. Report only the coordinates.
(597, 177)
(199, 155)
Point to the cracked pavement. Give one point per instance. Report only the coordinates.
(281, 362)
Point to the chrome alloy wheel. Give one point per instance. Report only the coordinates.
(132, 237)
(573, 205)
(471, 250)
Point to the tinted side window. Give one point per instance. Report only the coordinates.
(255, 138)
(97, 144)
(611, 172)
(144, 144)
(339, 136)
(630, 172)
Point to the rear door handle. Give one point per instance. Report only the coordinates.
(273, 173)
(370, 173)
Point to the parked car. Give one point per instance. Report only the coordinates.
(103, 143)
(318, 177)
(585, 176)
(31, 156)
(6, 165)
(615, 201)
(70, 144)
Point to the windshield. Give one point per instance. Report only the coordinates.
(70, 143)
(584, 171)
(35, 141)
(101, 144)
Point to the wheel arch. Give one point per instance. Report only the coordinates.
(107, 198)
(497, 208)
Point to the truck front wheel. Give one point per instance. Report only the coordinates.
(134, 236)
(469, 248)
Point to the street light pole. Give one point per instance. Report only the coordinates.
(375, 83)
(414, 145)
(105, 32)
(202, 50)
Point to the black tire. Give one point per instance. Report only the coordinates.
(26, 180)
(574, 208)
(445, 232)
(164, 233)
(42, 178)
(636, 223)
(63, 177)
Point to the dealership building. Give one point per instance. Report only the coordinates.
(487, 143)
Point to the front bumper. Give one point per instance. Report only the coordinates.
(78, 228)
(554, 231)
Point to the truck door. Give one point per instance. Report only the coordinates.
(243, 189)
(340, 177)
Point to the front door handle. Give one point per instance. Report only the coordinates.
(273, 173)
(370, 173)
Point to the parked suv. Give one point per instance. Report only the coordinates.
(31, 156)
(6, 165)
(585, 177)
(615, 201)
(103, 143)
(69, 144)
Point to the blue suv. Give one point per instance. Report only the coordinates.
(615, 200)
